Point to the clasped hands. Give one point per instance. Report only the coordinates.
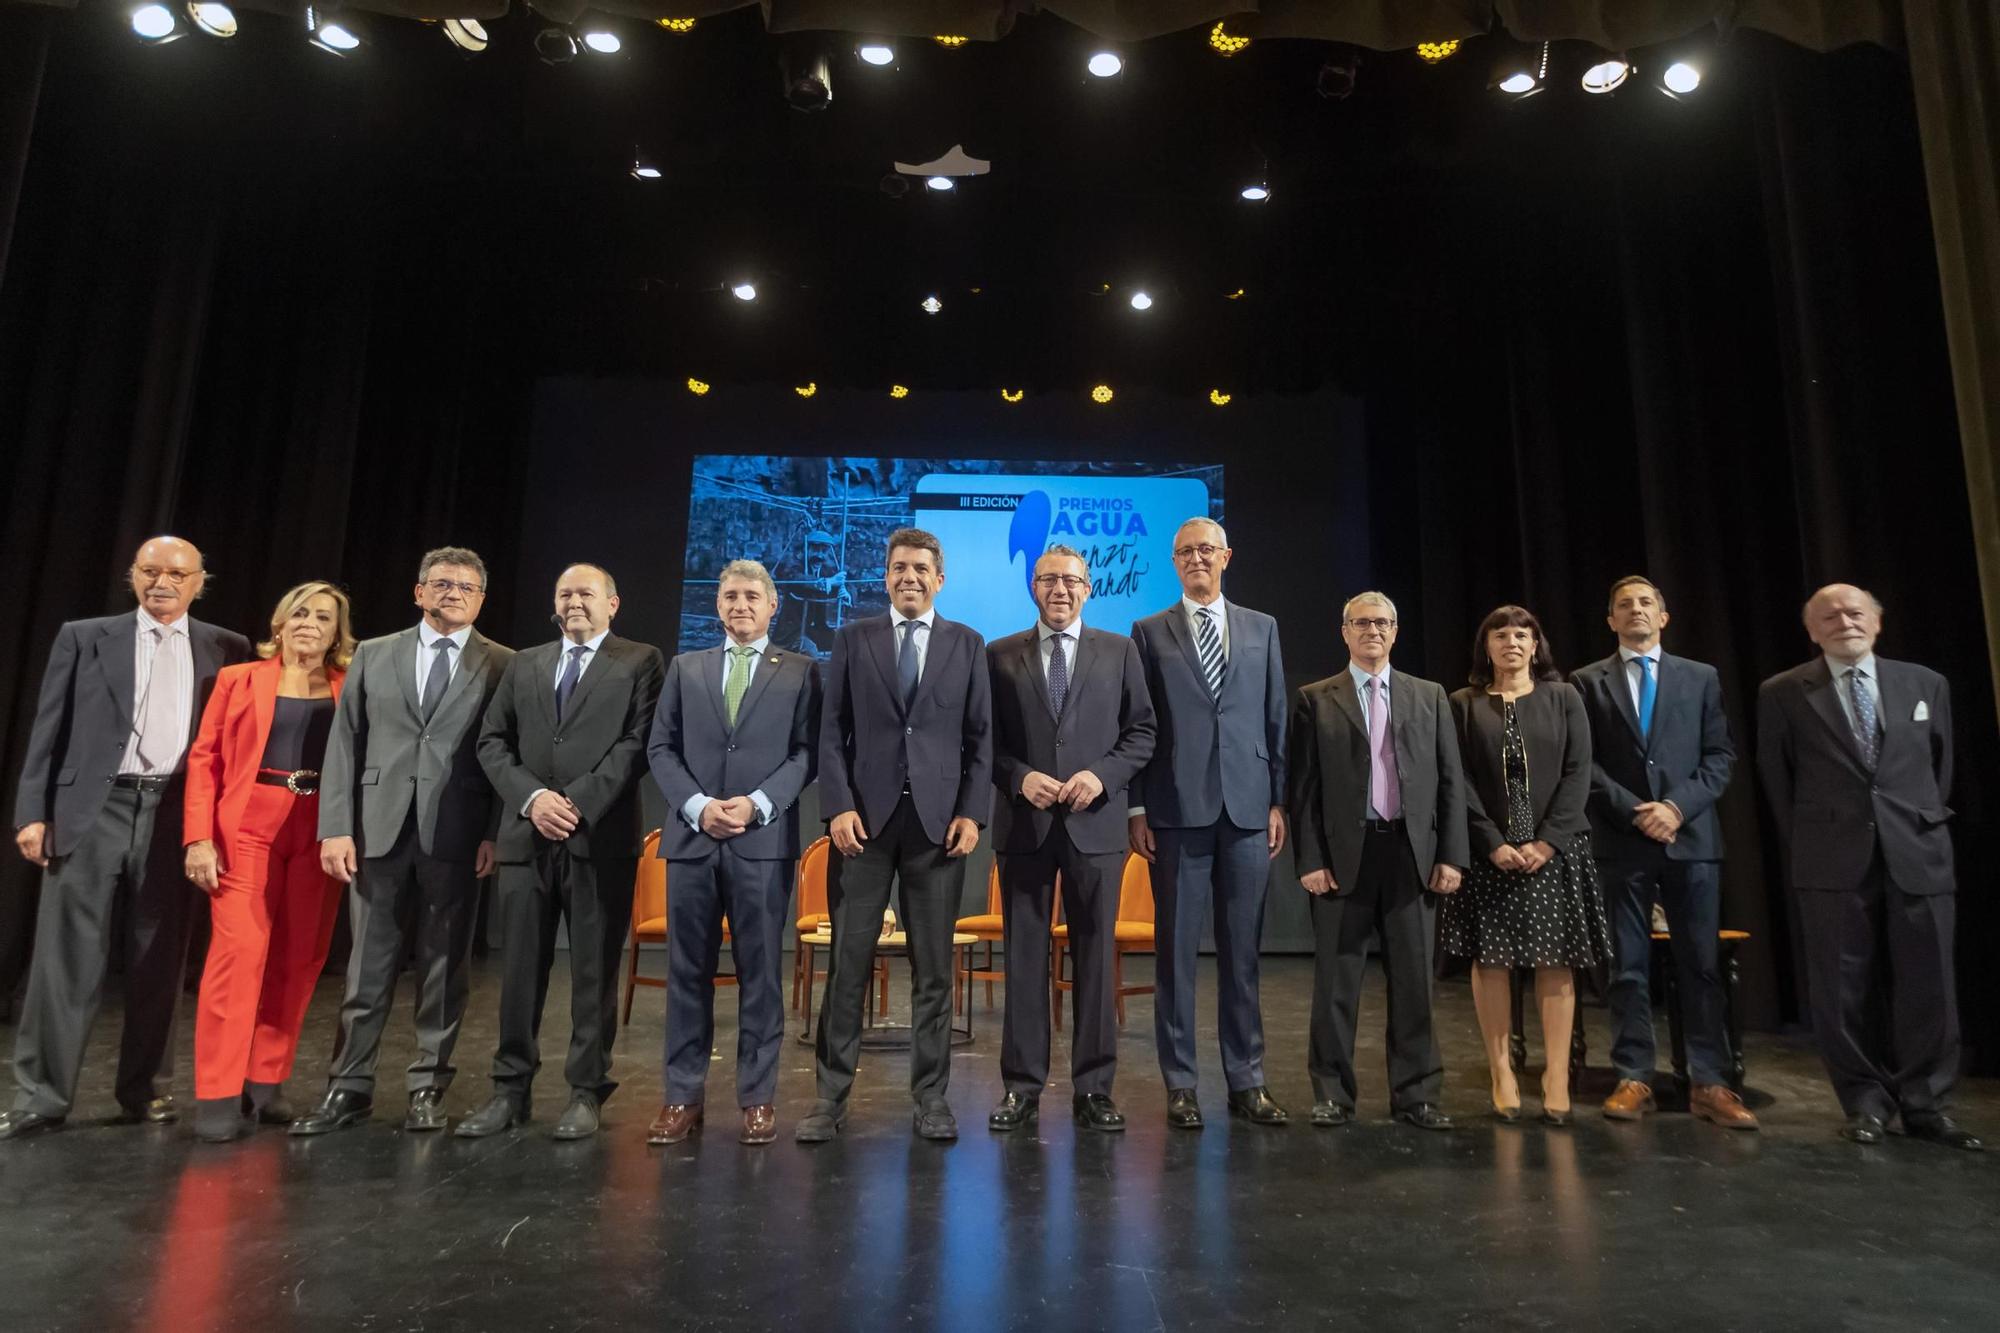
(1526, 858)
(1043, 791)
(724, 819)
(847, 832)
(1658, 820)
(1444, 879)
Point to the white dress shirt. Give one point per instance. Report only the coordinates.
(1218, 613)
(1871, 681)
(896, 620)
(427, 641)
(695, 804)
(174, 654)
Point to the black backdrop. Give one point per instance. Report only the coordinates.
(297, 310)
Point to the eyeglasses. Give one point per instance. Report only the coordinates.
(1070, 581)
(1205, 551)
(153, 574)
(1381, 623)
(443, 586)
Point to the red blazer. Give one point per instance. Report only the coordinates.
(229, 749)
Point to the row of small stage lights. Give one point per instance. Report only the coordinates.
(1101, 394)
(1521, 72)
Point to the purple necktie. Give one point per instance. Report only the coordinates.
(1384, 791)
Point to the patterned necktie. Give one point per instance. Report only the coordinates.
(738, 682)
(161, 737)
(1649, 689)
(1385, 793)
(1865, 734)
(439, 678)
(571, 673)
(1208, 646)
(1058, 675)
(906, 663)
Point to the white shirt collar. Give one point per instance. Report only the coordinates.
(146, 622)
(1627, 655)
(1193, 608)
(1866, 666)
(429, 637)
(896, 618)
(1043, 633)
(592, 644)
(1361, 677)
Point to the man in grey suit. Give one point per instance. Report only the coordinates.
(407, 817)
(1208, 814)
(1660, 759)
(1378, 820)
(99, 808)
(564, 744)
(1855, 755)
(905, 782)
(1072, 727)
(734, 742)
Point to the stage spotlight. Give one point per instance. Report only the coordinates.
(1255, 192)
(643, 170)
(329, 35)
(950, 42)
(808, 78)
(1432, 52)
(679, 27)
(1141, 301)
(1224, 43)
(744, 291)
(1219, 398)
(932, 305)
(213, 17)
(603, 42)
(1012, 395)
(1523, 72)
(155, 23)
(1236, 295)
(877, 54)
(1104, 64)
(899, 391)
(555, 46)
(806, 390)
(1100, 393)
(894, 185)
(940, 184)
(697, 387)
(1335, 81)
(1607, 75)
(1680, 79)
(466, 34)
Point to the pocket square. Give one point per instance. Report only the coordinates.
(1923, 713)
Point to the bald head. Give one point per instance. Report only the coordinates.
(1843, 621)
(167, 575)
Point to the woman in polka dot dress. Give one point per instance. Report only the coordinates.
(1530, 898)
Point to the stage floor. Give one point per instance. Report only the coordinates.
(1670, 1222)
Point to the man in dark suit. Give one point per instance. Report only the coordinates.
(1072, 727)
(1378, 817)
(1855, 755)
(734, 743)
(1660, 759)
(99, 807)
(407, 817)
(1208, 814)
(564, 744)
(906, 782)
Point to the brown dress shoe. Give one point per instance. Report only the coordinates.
(674, 1123)
(1630, 1100)
(1720, 1106)
(760, 1124)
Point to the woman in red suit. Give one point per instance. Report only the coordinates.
(252, 833)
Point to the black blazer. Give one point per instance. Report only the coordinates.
(1329, 776)
(83, 719)
(1685, 758)
(1106, 727)
(1556, 732)
(941, 747)
(1832, 813)
(594, 757)
(773, 748)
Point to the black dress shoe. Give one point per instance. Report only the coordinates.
(820, 1124)
(579, 1119)
(1863, 1128)
(934, 1122)
(340, 1108)
(1556, 1119)
(20, 1124)
(1332, 1115)
(1183, 1111)
(1015, 1110)
(1256, 1106)
(1424, 1116)
(502, 1111)
(1507, 1115)
(426, 1111)
(1942, 1129)
(1094, 1110)
(153, 1111)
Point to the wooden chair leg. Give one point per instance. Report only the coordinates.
(631, 980)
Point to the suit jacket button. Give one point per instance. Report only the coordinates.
(1058, 741)
(732, 747)
(558, 740)
(909, 731)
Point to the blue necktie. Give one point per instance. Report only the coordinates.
(571, 673)
(1865, 734)
(1649, 689)
(906, 663)
(1058, 675)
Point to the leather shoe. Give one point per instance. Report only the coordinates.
(503, 1111)
(760, 1124)
(934, 1122)
(1256, 1106)
(426, 1111)
(1332, 1115)
(1507, 1115)
(1719, 1105)
(1941, 1129)
(820, 1124)
(1863, 1128)
(579, 1119)
(20, 1124)
(674, 1123)
(1556, 1119)
(154, 1111)
(1015, 1110)
(1183, 1111)
(1424, 1116)
(1632, 1099)
(1094, 1110)
(340, 1108)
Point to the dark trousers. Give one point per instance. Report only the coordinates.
(1226, 869)
(1090, 886)
(1883, 998)
(1691, 893)
(754, 896)
(928, 887)
(594, 895)
(403, 893)
(1387, 897)
(128, 862)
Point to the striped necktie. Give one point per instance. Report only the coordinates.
(1208, 645)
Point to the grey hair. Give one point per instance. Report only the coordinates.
(1371, 596)
(451, 555)
(1220, 534)
(1057, 548)
(748, 569)
(1805, 611)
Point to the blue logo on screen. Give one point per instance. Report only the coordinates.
(1028, 532)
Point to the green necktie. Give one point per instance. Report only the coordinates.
(738, 682)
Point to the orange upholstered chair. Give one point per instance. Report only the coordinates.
(1133, 933)
(989, 928)
(649, 920)
(812, 915)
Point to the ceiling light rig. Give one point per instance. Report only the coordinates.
(1256, 192)
(602, 41)
(155, 24)
(950, 41)
(328, 35)
(744, 291)
(1105, 64)
(1012, 395)
(643, 168)
(697, 387)
(1100, 393)
(932, 305)
(941, 184)
(806, 390)
(1680, 79)
(468, 35)
(878, 54)
(1141, 301)
(1607, 75)
(1432, 53)
(1219, 398)
(899, 391)
(1224, 43)
(555, 46)
(1522, 73)
(679, 27)
(212, 17)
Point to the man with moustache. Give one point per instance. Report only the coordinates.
(408, 818)
(1208, 813)
(99, 808)
(733, 744)
(905, 781)
(1854, 751)
(564, 744)
(1660, 760)
(1072, 727)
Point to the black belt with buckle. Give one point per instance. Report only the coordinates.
(302, 782)
(1381, 826)
(143, 781)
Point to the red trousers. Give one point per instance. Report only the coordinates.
(272, 926)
